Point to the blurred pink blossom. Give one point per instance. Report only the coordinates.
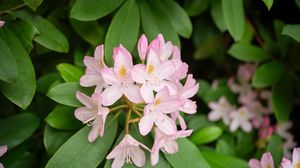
(265, 162)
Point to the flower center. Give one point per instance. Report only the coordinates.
(297, 165)
(122, 71)
(150, 69)
(156, 102)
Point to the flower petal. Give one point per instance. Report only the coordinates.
(165, 70)
(122, 57)
(146, 124)
(109, 76)
(147, 93)
(154, 157)
(89, 80)
(286, 163)
(165, 124)
(3, 150)
(104, 112)
(119, 160)
(246, 126)
(132, 92)
(91, 63)
(143, 47)
(137, 156)
(85, 114)
(84, 99)
(138, 73)
(254, 163)
(99, 55)
(267, 160)
(234, 125)
(94, 133)
(296, 157)
(111, 94)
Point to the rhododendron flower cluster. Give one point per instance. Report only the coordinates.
(151, 93)
(253, 112)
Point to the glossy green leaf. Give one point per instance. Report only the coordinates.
(49, 36)
(54, 139)
(244, 144)
(293, 31)
(267, 74)
(275, 147)
(206, 135)
(233, 11)
(248, 33)
(15, 129)
(90, 31)
(188, 156)
(22, 90)
(268, 3)
(176, 15)
(8, 63)
(33, 4)
(216, 12)
(19, 157)
(247, 52)
(217, 160)
(87, 10)
(198, 122)
(282, 98)
(77, 152)
(154, 23)
(65, 94)
(62, 117)
(224, 148)
(124, 29)
(44, 82)
(195, 7)
(69, 73)
(25, 32)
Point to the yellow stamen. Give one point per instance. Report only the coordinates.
(150, 69)
(122, 71)
(297, 165)
(157, 102)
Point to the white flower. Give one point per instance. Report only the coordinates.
(220, 110)
(241, 118)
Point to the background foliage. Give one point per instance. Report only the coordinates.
(43, 42)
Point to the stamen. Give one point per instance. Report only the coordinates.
(157, 102)
(150, 69)
(122, 71)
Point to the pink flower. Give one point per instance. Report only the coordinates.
(3, 150)
(266, 130)
(266, 161)
(156, 113)
(181, 68)
(241, 118)
(295, 163)
(128, 150)
(153, 76)
(220, 110)
(162, 50)
(92, 113)
(2, 23)
(166, 143)
(245, 72)
(119, 79)
(143, 47)
(94, 65)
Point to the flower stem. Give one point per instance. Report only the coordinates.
(13, 8)
(128, 115)
(137, 112)
(118, 107)
(134, 120)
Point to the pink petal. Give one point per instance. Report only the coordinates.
(122, 57)
(137, 156)
(152, 58)
(171, 146)
(138, 73)
(176, 53)
(109, 76)
(267, 160)
(132, 92)
(181, 121)
(115, 152)
(3, 149)
(165, 70)
(234, 125)
(181, 71)
(91, 63)
(1, 165)
(285, 163)
(94, 133)
(105, 112)
(169, 106)
(143, 47)
(147, 93)
(246, 126)
(163, 93)
(84, 99)
(154, 157)
(168, 49)
(90, 80)
(2, 23)
(119, 160)
(296, 157)
(111, 94)
(190, 90)
(84, 114)
(183, 133)
(99, 55)
(214, 116)
(189, 107)
(165, 124)
(146, 124)
(254, 163)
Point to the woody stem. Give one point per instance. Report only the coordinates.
(128, 115)
(118, 107)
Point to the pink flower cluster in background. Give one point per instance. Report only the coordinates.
(254, 110)
(151, 90)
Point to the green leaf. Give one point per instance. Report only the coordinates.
(292, 30)
(188, 156)
(268, 3)
(224, 148)
(217, 160)
(275, 147)
(69, 73)
(54, 139)
(65, 94)
(25, 32)
(77, 152)
(198, 122)
(124, 29)
(15, 129)
(247, 52)
(62, 117)
(195, 7)
(87, 10)
(234, 17)
(206, 135)
(282, 98)
(44, 82)
(22, 90)
(8, 63)
(89, 31)
(267, 74)
(154, 23)
(33, 4)
(216, 12)
(176, 15)
(244, 144)
(49, 36)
